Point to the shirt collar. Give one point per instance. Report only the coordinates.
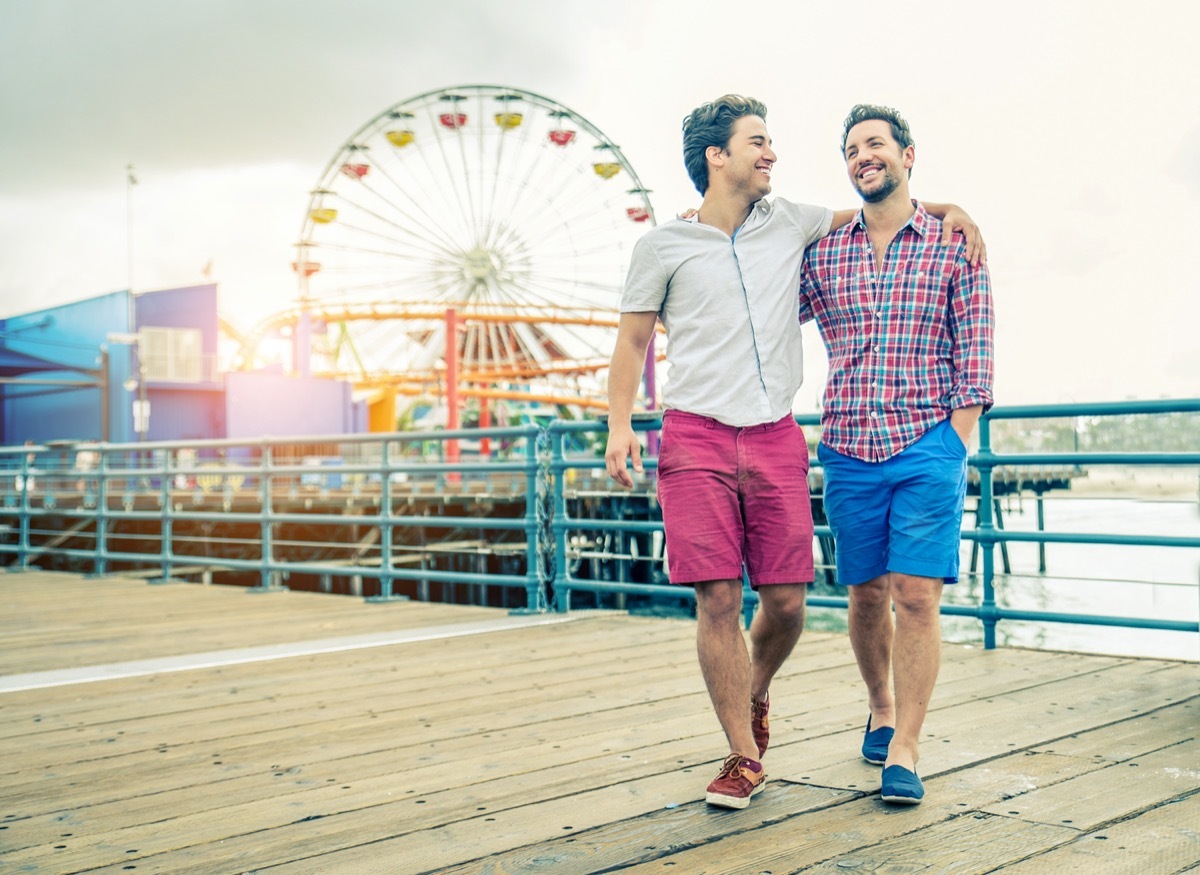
(761, 207)
(919, 220)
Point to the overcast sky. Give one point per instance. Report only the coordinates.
(1069, 131)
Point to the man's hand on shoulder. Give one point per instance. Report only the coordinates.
(622, 444)
(957, 220)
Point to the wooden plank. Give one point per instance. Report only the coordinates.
(1118, 791)
(478, 836)
(1021, 719)
(113, 620)
(454, 766)
(788, 844)
(484, 750)
(1122, 741)
(1165, 839)
(970, 844)
(269, 706)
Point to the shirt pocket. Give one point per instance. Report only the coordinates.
(922, 300)
(853, 294)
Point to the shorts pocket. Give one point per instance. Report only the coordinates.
(952, 441)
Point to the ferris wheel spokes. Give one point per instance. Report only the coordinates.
(493, 201)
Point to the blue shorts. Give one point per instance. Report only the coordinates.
(903, 514)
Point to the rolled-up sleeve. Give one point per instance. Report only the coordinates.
(972, 325)
(808, 290)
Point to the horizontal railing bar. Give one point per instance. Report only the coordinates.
(1001, 536)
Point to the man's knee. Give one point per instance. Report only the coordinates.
(783, 603)
(918, 596)
(873, 595)
(719, 599)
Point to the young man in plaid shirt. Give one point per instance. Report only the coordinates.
(908, 326)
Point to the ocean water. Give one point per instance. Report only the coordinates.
(1093, 579)
(1108, 580)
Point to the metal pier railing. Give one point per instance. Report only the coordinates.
(522, 508)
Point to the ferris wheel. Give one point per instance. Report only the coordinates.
(504, 206)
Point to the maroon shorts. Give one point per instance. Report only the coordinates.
(733, 496)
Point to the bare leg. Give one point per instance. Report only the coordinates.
(725, 661)
(871, 638)
(774, 632)
(918, 654)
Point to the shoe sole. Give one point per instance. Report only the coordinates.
(723, 801)
(874, 762)
(901, 800)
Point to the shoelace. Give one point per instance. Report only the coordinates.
(732, 763)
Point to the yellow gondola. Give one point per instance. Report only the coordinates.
(400, 139)
(607, 169)
(323, 215)
(509, 120)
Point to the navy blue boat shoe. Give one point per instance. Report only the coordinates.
(875, 744)
(901, 787)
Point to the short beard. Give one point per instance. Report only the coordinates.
(890, 184)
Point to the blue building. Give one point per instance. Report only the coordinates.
(122, 367)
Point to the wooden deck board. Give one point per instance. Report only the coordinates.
(579, 747)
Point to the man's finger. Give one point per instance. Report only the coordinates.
(614, 462)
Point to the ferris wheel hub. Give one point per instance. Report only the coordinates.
(481, 265)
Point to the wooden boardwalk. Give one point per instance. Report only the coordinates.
(194, 729)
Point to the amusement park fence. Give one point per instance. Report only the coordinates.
(173, 509)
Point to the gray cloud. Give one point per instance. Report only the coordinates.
(86, 87)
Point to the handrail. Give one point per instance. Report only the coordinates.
(986, 534)
(263, 483)
(172, 483)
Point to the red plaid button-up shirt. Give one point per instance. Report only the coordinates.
(908, 343)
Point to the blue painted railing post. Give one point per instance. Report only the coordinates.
(987, 534)
(166, 511)
(266, 533)
(385, 523)
(22, 563)
(100, 566)
(535, 570)
(562, 585)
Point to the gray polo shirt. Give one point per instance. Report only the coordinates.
(730, 308)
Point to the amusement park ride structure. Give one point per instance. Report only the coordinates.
(487, 214)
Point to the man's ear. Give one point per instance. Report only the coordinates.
(715, 156)
(910, 154)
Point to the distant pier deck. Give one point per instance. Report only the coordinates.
(201, 729)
